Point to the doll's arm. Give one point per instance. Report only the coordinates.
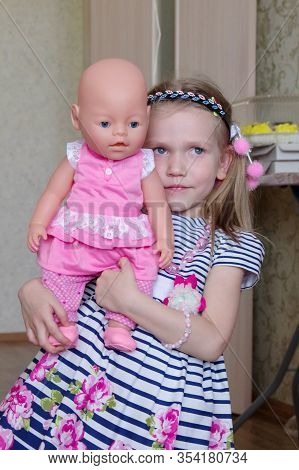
(57, 188)
(159, 215)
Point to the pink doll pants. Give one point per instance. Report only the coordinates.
(69, 291)
(67, 267)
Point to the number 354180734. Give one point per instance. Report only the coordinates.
(212, 457)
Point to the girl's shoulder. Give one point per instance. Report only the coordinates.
(242, 239)
(246, 251)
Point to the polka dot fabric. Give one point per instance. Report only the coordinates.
(67, 289)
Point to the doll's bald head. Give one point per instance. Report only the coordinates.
(110, 90)
(111, 77)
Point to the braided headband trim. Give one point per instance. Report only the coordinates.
(208, 102)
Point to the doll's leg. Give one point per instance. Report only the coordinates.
(68, 291)
(118, 332)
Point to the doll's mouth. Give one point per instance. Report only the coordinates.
(119, 144)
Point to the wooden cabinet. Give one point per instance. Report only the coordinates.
(128, 29)
(217, 38)
(238, 356)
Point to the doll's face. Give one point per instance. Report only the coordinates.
(112, 113)
(114, 128)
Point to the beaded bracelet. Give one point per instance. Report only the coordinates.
(186, 334)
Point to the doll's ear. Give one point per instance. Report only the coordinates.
(75, 116)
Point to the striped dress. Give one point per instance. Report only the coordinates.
(90, 397)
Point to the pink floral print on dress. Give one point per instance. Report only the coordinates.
(6, 438)
(46, 363)
(68, 433)
(93, 394)
(219, 433)
(119, 445)
(17, 406)
(164, 426)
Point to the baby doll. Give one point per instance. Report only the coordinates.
(107, 178)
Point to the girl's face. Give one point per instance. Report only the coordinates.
(188, 155)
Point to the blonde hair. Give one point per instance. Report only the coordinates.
(228, 206)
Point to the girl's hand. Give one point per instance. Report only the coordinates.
(35, 233)
(165, 248)
(117, 289)
(38, 306)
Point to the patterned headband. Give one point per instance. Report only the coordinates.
(208, 102)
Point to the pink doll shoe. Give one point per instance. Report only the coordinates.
(71, 332)
(119, 338)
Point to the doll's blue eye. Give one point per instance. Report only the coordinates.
(104, 124)
(134, 124)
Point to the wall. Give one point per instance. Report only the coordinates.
(276, 300)
(41, 60)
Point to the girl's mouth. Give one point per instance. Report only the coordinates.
(176, 187)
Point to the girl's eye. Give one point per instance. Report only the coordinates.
(134, 124)
(159, 151)
(197, 151)
(104, 124)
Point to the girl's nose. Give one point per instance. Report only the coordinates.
(176, 166)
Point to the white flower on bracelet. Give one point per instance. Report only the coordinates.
(186, 298)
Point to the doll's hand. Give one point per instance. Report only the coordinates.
(165, 248)
(35, 232)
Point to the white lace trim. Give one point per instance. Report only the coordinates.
(148, 163)
(106, 226)
(73, 152)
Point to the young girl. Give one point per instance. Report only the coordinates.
(172, 391)
(107, 179)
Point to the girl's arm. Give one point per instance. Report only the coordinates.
(210, 332)
(159, 215)
(38, 306)
(57, 188)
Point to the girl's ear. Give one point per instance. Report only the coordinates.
(75, 116)
(148, 110)
(225, 161)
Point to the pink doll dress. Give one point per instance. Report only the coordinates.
(100, 221)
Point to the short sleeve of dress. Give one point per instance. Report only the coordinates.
(73, 152)
(148, 163)
(248, 254)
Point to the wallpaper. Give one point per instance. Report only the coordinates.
(276, 302)
(41, 59)
(277, 69)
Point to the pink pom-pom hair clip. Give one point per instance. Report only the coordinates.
(254, 170)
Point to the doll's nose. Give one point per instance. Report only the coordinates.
(120, 130)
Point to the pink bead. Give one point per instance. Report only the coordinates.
(172, 269)
(252, 183)
(201, 243)
(188, 257)
(255, 170)
(241, 146)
